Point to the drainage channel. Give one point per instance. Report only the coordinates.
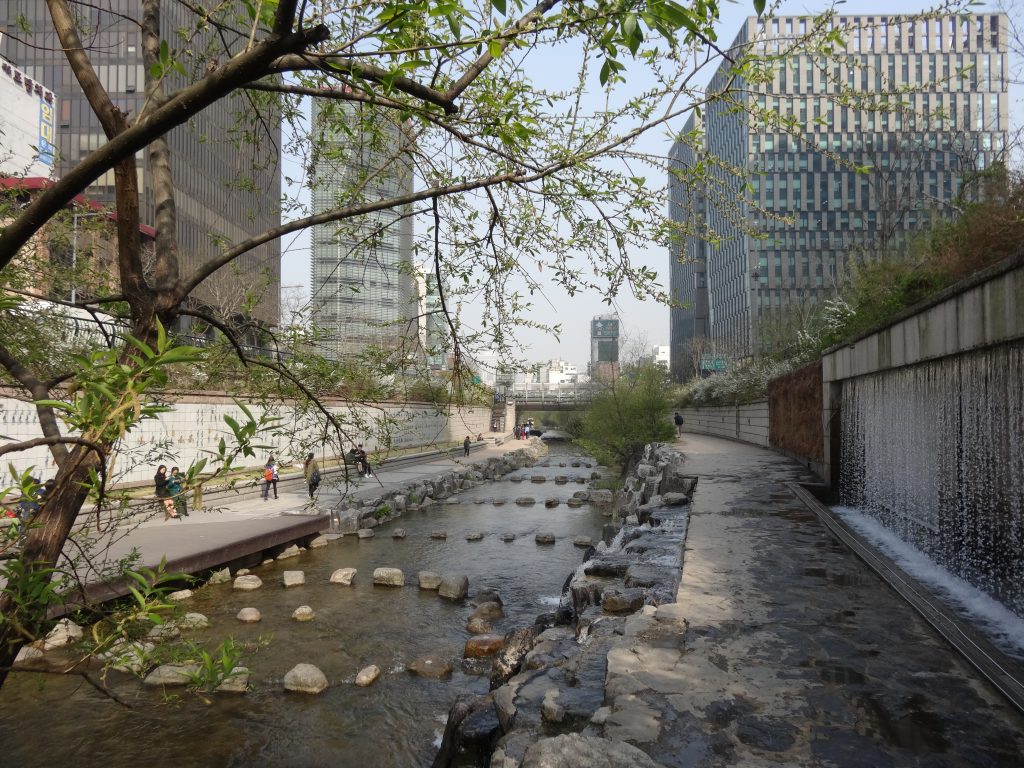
(992, 663)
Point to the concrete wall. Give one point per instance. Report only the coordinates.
(196, 425)
(984, 311)
(748, 423)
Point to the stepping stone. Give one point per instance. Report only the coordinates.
(289, 552)
(249, 615)
(429, 580)
(247, 582)
(236, 682)
(582, 542)
(440, 535)
(506, 537)
(181, 594)
(343, 576)
(474, 536)
(368, 676)
(398, 533)
(544, 538)
(432, 667)
(305, 678)
(389, 577)
(319, 541)
(303, 613)
(294, 578)
(365, 533)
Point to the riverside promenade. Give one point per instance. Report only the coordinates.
(239, 524)
(784, 649)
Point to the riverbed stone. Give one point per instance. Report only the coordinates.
(293, 578)
(318, 542)
(574, 503)
(432, 667)
(236, 682)
(552, 503)
(27, 655)
(583, 542)
(487, 596)
(581, 495)
(303, 613)
(171, 674)
(561, 480)
(247, 582)
(249, 615)
(498, 502)
(481, 646)
(193, 621)
(128, 656)
(64, 633)
(180, 595)
(624, 601)
(574, 750)
(454, 587)
(305, 678)
(478, 626)
(440, 535)
(525, 501)
(538, 479)
(398, 533)
(223, 576)
(474, 536)
(343, 576)
(429, 580)
(289, 552)
(389, 577)
(544, 537)
(368, 676)
(365, 533)
(163, 632)
(507, 537)
(246, 571)
(488, 611)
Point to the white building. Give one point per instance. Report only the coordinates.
(660, 355)
(28, 127)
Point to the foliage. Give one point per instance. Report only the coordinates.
(213, 668)
(382, 511)
(743, 383)
(632, 412)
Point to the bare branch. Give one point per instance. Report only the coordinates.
(47, 417)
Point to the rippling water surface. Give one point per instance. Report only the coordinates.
(396, 722)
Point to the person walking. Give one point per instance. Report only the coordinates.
(163, 494)
(311, 471)
(679, 424)
(270, 478)
(465, 446)
(176, 489)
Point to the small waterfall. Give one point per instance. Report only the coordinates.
(935, 452)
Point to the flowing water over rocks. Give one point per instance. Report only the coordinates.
(395, 721)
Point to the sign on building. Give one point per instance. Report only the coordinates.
(28, 125)
(604, 328)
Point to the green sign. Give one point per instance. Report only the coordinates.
(712, 364)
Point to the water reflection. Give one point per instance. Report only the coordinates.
(393, 723)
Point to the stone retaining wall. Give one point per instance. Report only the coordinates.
(196, 425)
(748, 423)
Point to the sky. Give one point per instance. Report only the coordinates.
(643, 322)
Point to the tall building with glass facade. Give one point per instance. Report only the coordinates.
(839, 157)
(363, 290)
(225, 160)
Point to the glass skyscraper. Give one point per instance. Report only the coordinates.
(839, 156)
(363, 284)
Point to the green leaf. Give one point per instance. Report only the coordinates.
(759, 6)
(499, 6)
(494, 48)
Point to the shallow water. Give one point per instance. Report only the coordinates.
(397, 721)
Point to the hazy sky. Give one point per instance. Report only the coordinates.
(640, 319)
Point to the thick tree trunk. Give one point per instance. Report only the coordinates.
(23, 613)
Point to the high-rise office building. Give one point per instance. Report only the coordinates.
(604, 347)
(225, 160)
(363, 282)
(920, 103)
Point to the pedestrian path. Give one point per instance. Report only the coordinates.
(792, 651)
(231, 528)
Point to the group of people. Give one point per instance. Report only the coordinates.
(29, 505)
(358, 457)
(522, 431)
(170, 490)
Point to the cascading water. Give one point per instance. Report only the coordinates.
(935, 452)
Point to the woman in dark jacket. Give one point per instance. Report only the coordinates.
(163, 493)
(311, 471)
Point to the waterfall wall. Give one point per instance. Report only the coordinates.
(936, 453)
(924, 428)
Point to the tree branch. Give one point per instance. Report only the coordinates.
(47, 417)
(179, 108)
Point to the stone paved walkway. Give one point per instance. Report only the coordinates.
(784, 649)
